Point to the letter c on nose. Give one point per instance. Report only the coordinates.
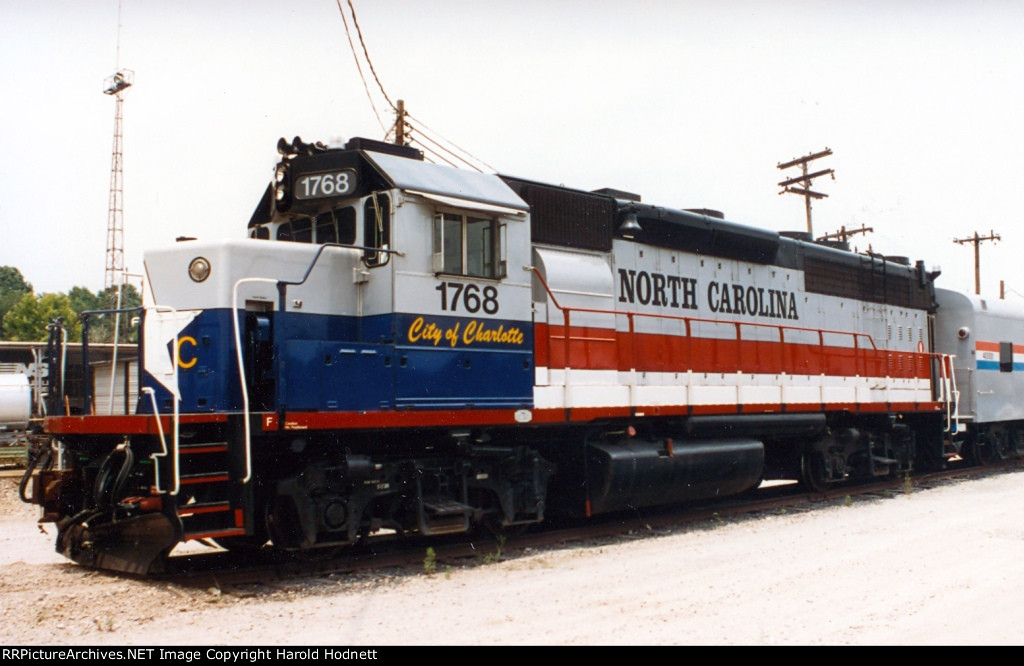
(182, 363)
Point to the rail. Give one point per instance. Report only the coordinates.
(88, 397)
(241, 368)
(949, 394)
(175, 419)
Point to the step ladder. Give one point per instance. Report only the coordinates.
(210, 503)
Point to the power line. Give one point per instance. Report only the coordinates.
(456, 147)
(401, 131)
(359, 67)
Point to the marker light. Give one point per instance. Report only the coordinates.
(199, 269)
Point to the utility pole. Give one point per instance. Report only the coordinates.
(805, 180)
(843, 234)
(401, 135)
(977, 240)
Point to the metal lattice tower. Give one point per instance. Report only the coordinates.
(115, 86)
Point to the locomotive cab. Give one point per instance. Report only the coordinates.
(370, 281)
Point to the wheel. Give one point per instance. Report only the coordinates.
(813, 472)
(983, 450)
(283, 526)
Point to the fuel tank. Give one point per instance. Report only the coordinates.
(640, 472)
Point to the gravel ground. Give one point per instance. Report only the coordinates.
(933, 567)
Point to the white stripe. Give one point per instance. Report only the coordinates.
(609, 388)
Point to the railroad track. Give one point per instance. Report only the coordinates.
(418, 555)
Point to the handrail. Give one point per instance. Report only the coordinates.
(241, 368)
(657, 315)
(87, 396)
(282, 286)
(176, 418)
(951, 394)
(148, 390)
(781, 329)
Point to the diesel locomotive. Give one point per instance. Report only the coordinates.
(399, 346)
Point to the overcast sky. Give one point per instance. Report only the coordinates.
(689, 103)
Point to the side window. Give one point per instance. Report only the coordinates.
(302, 231)
(336, 226)
(377, 229)
(1005, 357)
(326, 228)
(346, 219)
(467, 245)
(299, 231)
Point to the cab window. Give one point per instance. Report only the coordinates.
(377, 229)
(297, 231)
(467, 245)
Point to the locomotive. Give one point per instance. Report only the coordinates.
(403, 347)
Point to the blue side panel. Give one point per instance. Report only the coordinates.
(331, 376)
(207, 371)
(332, 363)
(461, 378)
(463, 362)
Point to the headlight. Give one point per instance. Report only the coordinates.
(199, 269)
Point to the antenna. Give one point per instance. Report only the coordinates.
(115, 86)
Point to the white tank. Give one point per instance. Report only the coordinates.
(15, 402)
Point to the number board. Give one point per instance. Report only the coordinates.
(325, 184)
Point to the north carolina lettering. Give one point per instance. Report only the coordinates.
(674, 291)
(657, 289)
(749, 300)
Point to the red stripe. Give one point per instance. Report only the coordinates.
(141, 424)
(213, 478)
(982, 345)
(188, 450)
(506, 417)
(188, 510)
(590, 348)
(356, 420)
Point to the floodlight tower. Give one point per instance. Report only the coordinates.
(115, 86)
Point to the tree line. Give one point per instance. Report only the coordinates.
(26, 316)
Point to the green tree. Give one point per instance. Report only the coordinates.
(12, 288)
(82, 299)
(28, 319)
(101, 326)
